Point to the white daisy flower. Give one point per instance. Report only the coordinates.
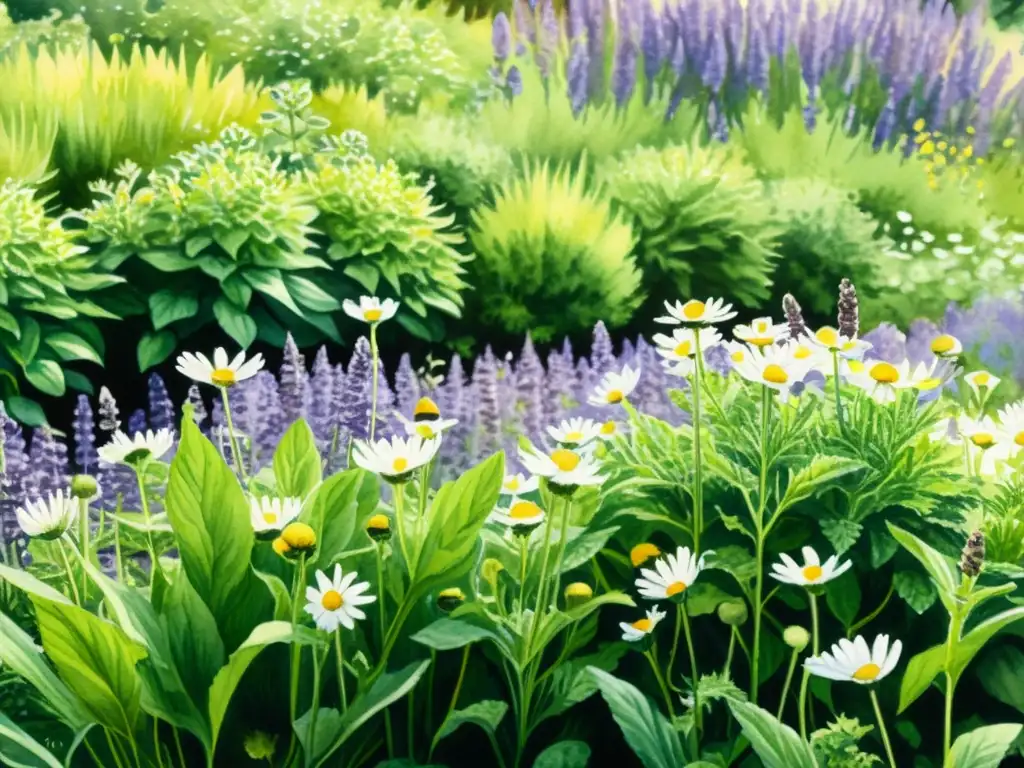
(946, 430)
(982, 380)
(615, 387)
(811, 573)
(395, 459)
(776, 367)
(831, 340)
(269, 515)
(520, 516)
(337, 600)
(145, 445)
(926, 379)
(881, 380)
(1011, 420)
(426, 429)
(762, 332)
(695, 312)
(519, 484)
(672, 575)
(221, 372)
(854, 661)
(563, 468)
(946, 346)
(609, 430)
(641, 628)
(370, 309)
(680, 349)
(48, 518)
(575, 432)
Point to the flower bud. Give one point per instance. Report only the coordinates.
(578, 593)
(450, 599)
(260, 745)
(972, 556)
(84, 487)
(641, 553)
(733, 613)
(796, 638)
(490, 569)
(379, 527)
(281, 547)
(299, 538)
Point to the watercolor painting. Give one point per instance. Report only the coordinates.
(512, 383)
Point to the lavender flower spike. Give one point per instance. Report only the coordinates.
(501, 37)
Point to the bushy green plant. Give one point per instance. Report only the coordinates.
(703, 221)
(552, 257)
(51, 31)
(46, 320)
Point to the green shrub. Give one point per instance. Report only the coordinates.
(552, 257)
(825, 237)
(51, 31)
(45, 320)
(702, 218)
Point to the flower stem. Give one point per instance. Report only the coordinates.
(697, 714)
(670, 669)
(455, 697)
(340, 658)
(785, 686)
(118, 560)
(83, 540)
(399, 489)
(67, 569)
(882, 730)
(726, 671)
(373, 386)
(296, 661)
(563, 541)
(541, 584)
(807, 675)
(381, 602)
(835, 383)
(524, 548)
(661, 684)
(759, 524)
(236, 452)
(315, 706)
(952, 641)
(154, 561)
(698, 483)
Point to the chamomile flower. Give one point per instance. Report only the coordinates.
(575, 432)
(762, 332)
(221, 372)
(335, 601)
(672, 575)
(1011, 419)
(925, 379)
(397, 458)
(426, 420)
(812, 572)
(643, 552)
(831, 340)
(519, 484)
(615, 387)
(271, 515)
(696, 312)
(145, 445)
(776, 367)
(565, 470)
(946, 345)
(521, 516)
(982, 381)
(370, 309)
(609, 430)
(48, 518)
(988, 445)
(854, 661)
(882, 380)
(680, 349)
(641, 628)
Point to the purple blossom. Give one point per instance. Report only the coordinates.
(137, 422)
(530, 379)
(269, 422)
(195, 399)
(407, 386)
(321, 391)
(355, 408)
(888, 343)
(513, 82)
(577, 70)
(293, 382)
(501, 37)
(161, 409)
(886, 122)
(488, 409)
(624, 71)
(560, 384)
(49, 464)
(84, 429)
(919, 341)
(602, 354)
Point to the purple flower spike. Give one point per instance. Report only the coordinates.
(293, 382)
(161, 409)
(501, 37)
(86, 457)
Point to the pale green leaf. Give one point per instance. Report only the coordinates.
(984, 747)
(921, 671)
(778, 745)
(19, 750)
(297, 461)
(647, 731)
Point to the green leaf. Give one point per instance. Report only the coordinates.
(89, 281)
(297, 461)
(843, 597)
(9, 324)
(975, 640)
(28, 412)
(231, 240)
(814, 478)
(363, 273)
(237, 291)
(703, 598)
(937, 566)
(195, 245)
(46, 376)
(1000, 672)
(984, 747)
(31, 334)
(386, 689)
(269, 283)
(70, 346)
(236, 323)
(19, 750)
(78, 382)
(337, 505)
(917, 591)
(564, 754)
(647, 731)
(448, 634)
(921, 670)
(310, 295)
(193, 640)
(167, 260)
(169, 305)
(842, 533)
(486, 714)
(778, 745)
(154, 348)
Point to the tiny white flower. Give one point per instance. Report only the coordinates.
(696, 312)
(370, 309)
(562, 467)
(1011, 421)
(575, 432)
(48, 518)
(337, 600)
(762, 332)
(615, 387)
(268, 514)
(609, 430)
(946, 345)
(812, 572)
(671, 576)
(426, 429)
(145, 445)
(854, 661)
(396, 459)
(221, 372)
(680, 349)
(641, 628)
(981, 380)
(519, 484)
(520, 516)
(882, 380)
(849, 349)
(778, 368)
(904, 217)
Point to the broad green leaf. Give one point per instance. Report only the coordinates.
(448, 634)
(46, 376)
(584, 546)
(843, 597)
(778, 745)
(984, 747)
(170, 305)
(9, 324)
(194, 643)
(328, 723)
(339, 503)
(269, 283)
(297, 461)
(647, 731)
(28, 412)
(975, 640)
(31, 335)
(195, 245)
(486, 714)
(564, 754)
(704, 598)
(231, 240)
(937, 566)
(814, 478)
(236, 323)
(386, 689)
(1001, 671)
(154, 348)
(364, 274)
(70, 347)
(916, 590)
(78, 382)
(19, 750)
(166, 260)
(572, 681)
(310, 295)
(921, 670)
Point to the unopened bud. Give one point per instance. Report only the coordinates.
(379, 527)
(796, 638)
(490, 569)
(578, 593)
(450, 599)
(733, 613)
(297, 538)
(972, 557)
(84, 487)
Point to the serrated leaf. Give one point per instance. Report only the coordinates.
(485, 714)
(646, 730)
(816, 477)
(915, 589)
(842, 533)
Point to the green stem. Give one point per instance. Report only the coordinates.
(340, 658)
(113, 749)
(835, 382)
(759, 524)
(524, 550)
(661, 684)
(697, 714)
(698, 482)
(177, 745)
(542, 584)
(156, 743)
(236, 452)
(373, 386)
(726, 671)
(670, 669)
(785, 687)
(410, 721)
(807, 675)
(118, 560)
(882, 730)
(315, 705)
(146, 517)
(952, 641)
(870, 617)
(70, 573)
(455, 697)
(381, 596)
(296, 661)
(563, 541)
(429, 715)
(755, 650)
(83, 540)
(399, 489)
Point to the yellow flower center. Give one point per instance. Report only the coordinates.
(378, 523)
(513, 484)
(675, 588)
(761, 326)
(943, 344)
(579, 589)
(982, 379)
(426, 409)
(802, 353)
(856, 366)
(608, 428)
(269, 518)
(641, 553)
(332, 601)
(399, 464)
(738, 356)
(927, 384)
(983, 440)
(299, 536)
(424, 430)
(614, 396)
(683, 349)
(642, 625)
(774, 374)
(566, 461)
(884, 373)
(524, 510)
(223, 377)
(573, 437)
(693, 309)
(372, 315)
(867, 673)
(1019, 438)
(761, 341)
(812, 572)
(827, 336)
